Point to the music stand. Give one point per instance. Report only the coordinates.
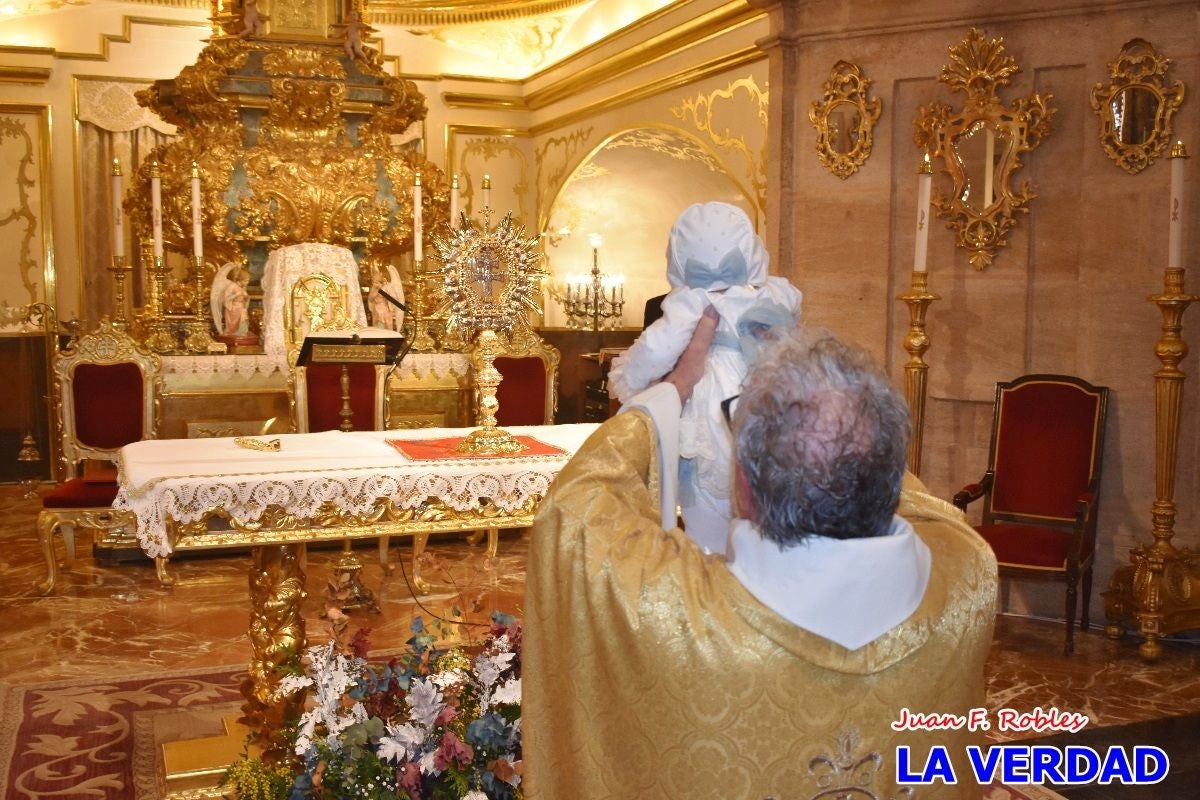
(367, 346)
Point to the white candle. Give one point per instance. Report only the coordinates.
(418, 233)
(924, 183)
(156, 208)
(454, 203)
(118, 221)
(487, 191)
(197, 232)
(1175, 235)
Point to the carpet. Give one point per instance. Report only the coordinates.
(102, 739)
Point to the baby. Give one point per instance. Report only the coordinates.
(715, 258)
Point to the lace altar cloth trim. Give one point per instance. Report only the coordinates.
(182, 480)
(414, 365)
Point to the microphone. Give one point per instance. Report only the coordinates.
(395, 302)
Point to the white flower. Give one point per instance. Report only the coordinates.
(451, 677)
(291, 684)
(474, 794)
(508, 692)
(425, 701)
(402, 743)
(489, 667)
(427, 765)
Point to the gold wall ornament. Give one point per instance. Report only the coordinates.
(1136, 106)
(982, 145)
(845, 120)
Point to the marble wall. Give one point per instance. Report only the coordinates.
(1068, 293)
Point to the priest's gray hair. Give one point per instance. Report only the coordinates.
(821, 438)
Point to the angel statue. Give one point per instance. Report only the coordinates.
(229, 300)
(353, 32)
(253, 21)
(385, 278)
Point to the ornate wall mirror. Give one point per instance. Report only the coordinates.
(1136, 106)
(845, 118)
(981, 145)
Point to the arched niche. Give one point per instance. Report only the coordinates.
(630, 189)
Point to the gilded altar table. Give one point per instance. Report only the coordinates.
(196, 494)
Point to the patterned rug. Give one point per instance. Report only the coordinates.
(87, 739)
(81, 739)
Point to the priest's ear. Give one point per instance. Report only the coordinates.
(743, 498)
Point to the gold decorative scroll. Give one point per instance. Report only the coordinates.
(1136, 106)
(981, 145)
(845, 119)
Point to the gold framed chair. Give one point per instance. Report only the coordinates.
(105, 389)
(528, 393)
(1041, 488)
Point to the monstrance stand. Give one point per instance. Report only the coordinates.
(490, 275)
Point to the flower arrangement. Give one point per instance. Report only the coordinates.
(427, 725)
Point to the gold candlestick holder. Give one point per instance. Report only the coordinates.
(199, 331)
(422, 340)
(1159, 593)
(160, 338)
(120, 271)
(916, 342)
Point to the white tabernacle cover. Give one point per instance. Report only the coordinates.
(182, 479)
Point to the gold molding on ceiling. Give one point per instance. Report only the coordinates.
(656, 48)
(124, 37)
(738, 58)
(488, 102)
(425, 13)
(36, 75)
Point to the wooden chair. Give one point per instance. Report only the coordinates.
(1041, 486)
(105, 389)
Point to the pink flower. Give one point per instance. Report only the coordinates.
(446, 717)
(454, 750)
(409, 779)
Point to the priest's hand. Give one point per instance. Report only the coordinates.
(690, 367)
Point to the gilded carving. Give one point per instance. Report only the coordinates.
(981, 145)
(303, 62)
(1136, 106)
(21, 215)
(664, 142)
(522, 46)
(845, 120)
(700, 110)
(489, 148)
(562, 150)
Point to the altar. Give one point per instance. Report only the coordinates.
(200, 494)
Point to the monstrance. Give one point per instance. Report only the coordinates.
(490, 276)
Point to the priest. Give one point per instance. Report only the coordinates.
(849, 601)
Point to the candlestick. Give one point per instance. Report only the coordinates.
(156, 208)
(417, 232)
(1175, 234)
(916, 370)
(118, 221)
(197, 232)
(924, 184)
(454, 203)
(487, 191)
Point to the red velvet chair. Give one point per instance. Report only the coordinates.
(105, 390)
(1040, 490)
(528, 391)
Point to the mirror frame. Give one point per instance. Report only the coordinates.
(1138, 66)
(846, 84)
(978, 67)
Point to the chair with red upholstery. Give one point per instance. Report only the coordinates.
(1040, 490)
(105, 390)
(528, 391)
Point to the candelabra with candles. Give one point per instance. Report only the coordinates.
(594, 302)
(918, 298)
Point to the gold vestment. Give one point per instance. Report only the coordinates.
(651, 672)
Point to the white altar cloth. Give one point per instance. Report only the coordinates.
(182, 480)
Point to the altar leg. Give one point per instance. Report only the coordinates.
(276, 638)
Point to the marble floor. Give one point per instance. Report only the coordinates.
(117, 621)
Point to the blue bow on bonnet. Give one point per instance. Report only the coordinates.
(731, 271)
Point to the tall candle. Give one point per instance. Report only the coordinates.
(118, 221)
(487, 191)
(197, 232)
(417, 229)
(924, 183)
(454, 203)
(1175, 232)
(156, 207)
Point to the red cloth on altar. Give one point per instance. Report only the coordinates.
(443, 449)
